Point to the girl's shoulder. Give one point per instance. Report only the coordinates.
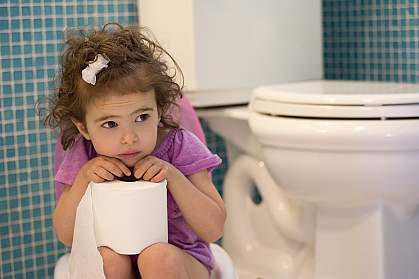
(73, 159)
(171, 140)
(184, 150)
(176, 136)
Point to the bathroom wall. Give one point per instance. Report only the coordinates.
(31, 33)
(371, 40)
(363, 40)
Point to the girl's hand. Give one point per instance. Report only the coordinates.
(103, 168)
(152, 169)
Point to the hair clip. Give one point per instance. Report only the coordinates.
(89, 73)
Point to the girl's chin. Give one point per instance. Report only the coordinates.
(129, 163)
(129, 160)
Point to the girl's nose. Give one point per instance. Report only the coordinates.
(129, 137)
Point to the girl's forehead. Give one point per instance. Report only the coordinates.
(118, 99)
(122, 104)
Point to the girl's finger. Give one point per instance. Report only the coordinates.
(124, 169)
(151, 172)
(141, 167)
(113, 167)
(97, 179)
(104, 173)
(159, 177)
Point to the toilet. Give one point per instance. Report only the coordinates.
(336, 171)
(223, 269)
(253, 238)
(350, 149)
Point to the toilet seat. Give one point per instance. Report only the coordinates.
(338, 99)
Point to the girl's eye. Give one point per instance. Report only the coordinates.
(109, 124)
(142, 117)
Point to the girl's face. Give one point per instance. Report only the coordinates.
(124, 127)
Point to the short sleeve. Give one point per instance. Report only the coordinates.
(190, 155)
(73, 159)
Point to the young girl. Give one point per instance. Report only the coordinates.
(112, 108)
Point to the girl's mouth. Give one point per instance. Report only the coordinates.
(129, 155)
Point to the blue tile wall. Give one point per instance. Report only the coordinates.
(371, 40)
(31, 35)
(216, 145)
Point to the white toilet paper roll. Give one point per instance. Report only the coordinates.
(125, 216)
(129, 216)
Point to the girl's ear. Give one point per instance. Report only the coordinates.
(82, 129)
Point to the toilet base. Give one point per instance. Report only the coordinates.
(372, 242)
(251, 237)
(369, 240)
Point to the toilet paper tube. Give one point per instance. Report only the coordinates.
(124, 216)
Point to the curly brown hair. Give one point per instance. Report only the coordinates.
(136, 65)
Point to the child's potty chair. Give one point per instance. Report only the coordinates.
(224, 268)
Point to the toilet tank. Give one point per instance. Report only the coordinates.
(229, 44)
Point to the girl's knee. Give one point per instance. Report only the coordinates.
(162, 256)
(108, 255)
(114, 264)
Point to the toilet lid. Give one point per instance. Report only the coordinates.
(338, 99)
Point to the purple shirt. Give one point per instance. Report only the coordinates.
(183, 150)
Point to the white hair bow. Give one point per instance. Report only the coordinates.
(89, 73)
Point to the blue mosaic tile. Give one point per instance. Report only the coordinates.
(4, 12)
(14, 12)
(5, 50)
(31, 36)
(370, 40)
(4, 25)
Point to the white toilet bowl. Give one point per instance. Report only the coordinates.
(336, 166)
(351, 151)
(224, 268)
(252, 237)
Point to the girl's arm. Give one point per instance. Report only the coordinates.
(97, 170)
(196, 196)
(64, 215)
(199, 201)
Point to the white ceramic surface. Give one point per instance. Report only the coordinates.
(231, 123)
(338, 99)
(339, 196)
(266, 240)
(340, 92)
(360, 175)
